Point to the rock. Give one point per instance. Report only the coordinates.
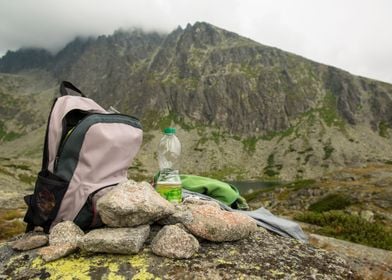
(54, 252)
(370, 263)
(132, 204)
(345, 176)
(199, 201)
(384, 199)
(30, 241)
(181, 215)
(115, 240)
(214, 224)
(65, 232)
(367, 215)
(63, 239)
(174, 242)
(263, 256)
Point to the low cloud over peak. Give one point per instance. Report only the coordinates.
(354, 34)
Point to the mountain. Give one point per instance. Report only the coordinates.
(246, 110)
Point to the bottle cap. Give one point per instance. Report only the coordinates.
(169, 130)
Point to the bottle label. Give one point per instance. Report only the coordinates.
(170, 191)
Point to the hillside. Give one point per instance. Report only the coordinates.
(245, 110)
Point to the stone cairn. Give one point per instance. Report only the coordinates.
(129, 211)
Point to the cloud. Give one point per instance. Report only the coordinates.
(353, 34)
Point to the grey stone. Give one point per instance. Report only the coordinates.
(217, 225)
(132, 204)
(174, 242)
(181, 215)
(65, 232)
(367, 215)
(198, 201)
(115, 240)
(55, 252)
(30, 241)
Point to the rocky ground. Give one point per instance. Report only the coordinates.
(363, 192)
(370, 263)
(369, 189)
(262, 255)
(194, 240)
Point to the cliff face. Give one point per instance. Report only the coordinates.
(293, 116)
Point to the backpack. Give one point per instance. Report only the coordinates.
(87, 150)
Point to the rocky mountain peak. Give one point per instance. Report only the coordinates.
(202, 77)
(25, 59)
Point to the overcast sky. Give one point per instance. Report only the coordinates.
(355, 35)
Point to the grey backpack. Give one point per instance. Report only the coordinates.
(87, 150)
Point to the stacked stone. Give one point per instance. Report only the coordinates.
(128, 211)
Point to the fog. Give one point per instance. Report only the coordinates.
(355, 35)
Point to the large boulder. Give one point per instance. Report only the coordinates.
(173, 241)
(132, 204)
(115, 240)
(214, 224)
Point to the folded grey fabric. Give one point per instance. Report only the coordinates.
(263, 218)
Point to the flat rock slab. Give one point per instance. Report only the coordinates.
(132, 204)
(217, 225)
(115, 240)
(55, 252)
(30, 241)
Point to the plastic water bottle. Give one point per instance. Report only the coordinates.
(169, 151)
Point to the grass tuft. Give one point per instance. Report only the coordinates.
(352, 228)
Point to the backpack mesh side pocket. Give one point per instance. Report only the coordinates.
(44, 203)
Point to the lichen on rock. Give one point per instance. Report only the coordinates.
(262, 255)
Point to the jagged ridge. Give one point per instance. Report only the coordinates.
(203, 77)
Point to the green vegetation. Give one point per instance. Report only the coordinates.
(281, 134)
(216, 136)
(329, 112)
(250, 71)
(300, 184)
(328, 150)
(11, 222)
(7, 135)
(27, 178)
(331, 202)
(250, 144)
(272, 169)
(272, 185)
(225, 172)
(340, 225)
(383, 129)
(154, 120)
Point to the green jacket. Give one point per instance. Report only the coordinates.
(224, 192)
